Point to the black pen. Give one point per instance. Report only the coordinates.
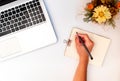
(82, 42)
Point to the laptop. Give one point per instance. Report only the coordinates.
(24, 26)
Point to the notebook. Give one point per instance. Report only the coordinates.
(101, 45)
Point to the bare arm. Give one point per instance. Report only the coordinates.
(81, 72)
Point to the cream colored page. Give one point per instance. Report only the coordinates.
(98, 52)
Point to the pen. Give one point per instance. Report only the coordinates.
(82, 42)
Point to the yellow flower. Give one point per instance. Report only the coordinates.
(101, 14)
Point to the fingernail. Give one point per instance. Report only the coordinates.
(77, 33)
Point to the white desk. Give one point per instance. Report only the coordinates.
(49, 64)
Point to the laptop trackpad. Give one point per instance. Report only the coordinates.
(9, 47)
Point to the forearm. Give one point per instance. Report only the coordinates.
(81, 72)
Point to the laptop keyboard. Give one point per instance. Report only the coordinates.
(21, 17)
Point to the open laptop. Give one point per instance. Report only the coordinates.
(24, 26)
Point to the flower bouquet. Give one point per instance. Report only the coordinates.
(102, 11)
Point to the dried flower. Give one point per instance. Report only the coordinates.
(90, 6)
(113, 11)
(102, 11)
(118, 5)
(103, 1)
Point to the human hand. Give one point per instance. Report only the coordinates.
(80, 48)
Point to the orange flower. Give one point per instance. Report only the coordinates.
(118, 5)
(90, 6)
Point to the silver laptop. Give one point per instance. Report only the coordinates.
(24, 26)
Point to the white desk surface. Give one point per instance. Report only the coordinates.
(50, 64)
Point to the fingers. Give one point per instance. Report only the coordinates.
(77, 40)
(86, 39)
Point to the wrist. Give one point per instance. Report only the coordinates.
(84, 61)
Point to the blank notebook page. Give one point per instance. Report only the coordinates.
(101, 45)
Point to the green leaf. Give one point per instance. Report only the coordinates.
(87, 19)
(112, 22)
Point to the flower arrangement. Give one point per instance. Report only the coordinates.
(102, 11)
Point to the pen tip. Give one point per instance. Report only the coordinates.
(77, 33)
(92, 58)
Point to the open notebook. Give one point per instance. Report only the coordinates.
(99, 50)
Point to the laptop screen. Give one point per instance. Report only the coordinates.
(3, 2)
